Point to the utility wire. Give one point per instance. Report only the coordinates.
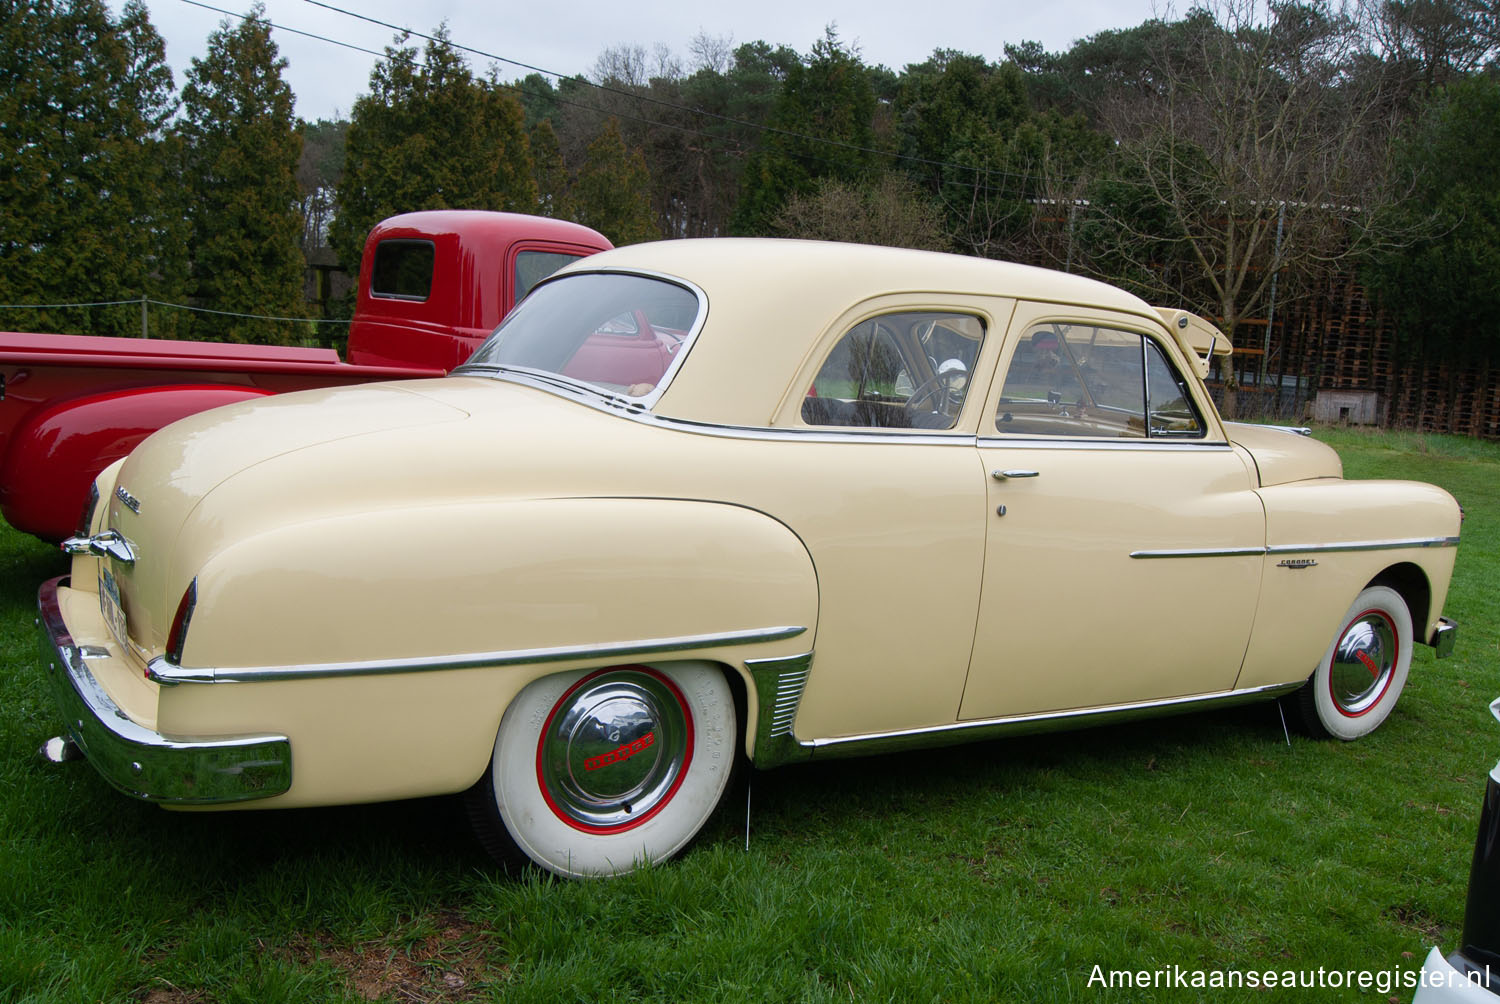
(979, 172)
(293, 31)
(648, 99)
(175, 306)
(403, 57)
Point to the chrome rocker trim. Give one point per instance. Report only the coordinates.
(775, 678)
(1358, 545)
(164, 672)
(139, 761)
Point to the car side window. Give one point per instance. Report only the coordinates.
(1172, 409)
(907, 370)
(1093, 382)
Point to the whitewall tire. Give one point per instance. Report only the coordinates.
(595, 773)
(1364, 670)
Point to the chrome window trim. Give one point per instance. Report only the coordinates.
(644, 401)
(164, 672)
(633, 409)
(991, 728)
(812, 434)
(1070, 443)
(1354, 545)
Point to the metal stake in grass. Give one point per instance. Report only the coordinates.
(1282, 712)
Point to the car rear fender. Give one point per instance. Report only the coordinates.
(383, 643)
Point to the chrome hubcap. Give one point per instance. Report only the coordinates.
(1363, 661)
(614, 749)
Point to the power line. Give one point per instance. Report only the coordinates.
(293, 31)
(138, 301)
(661, 102)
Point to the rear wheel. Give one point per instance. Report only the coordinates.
(1364, 670)
(598, 772)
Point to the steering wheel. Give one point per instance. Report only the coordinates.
(931, 396)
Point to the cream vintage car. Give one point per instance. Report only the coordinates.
(704, 499)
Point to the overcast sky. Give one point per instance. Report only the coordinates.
(568, 37)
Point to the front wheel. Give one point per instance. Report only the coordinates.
(1356, 685)
(598, 772)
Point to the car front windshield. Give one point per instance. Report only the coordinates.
(621, 333)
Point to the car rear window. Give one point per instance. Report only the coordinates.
(403, 269)
(619, 332)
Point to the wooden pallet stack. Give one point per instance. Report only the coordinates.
(1340, 341)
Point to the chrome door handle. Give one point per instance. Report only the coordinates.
(1007, 475)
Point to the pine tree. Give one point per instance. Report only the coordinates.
(612, 192)
(552, 182)
(430, 135)
(241, 149)
(823, 127)
(83, 104)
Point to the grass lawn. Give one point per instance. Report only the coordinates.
(993, 872)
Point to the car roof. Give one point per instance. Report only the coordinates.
(770, 300)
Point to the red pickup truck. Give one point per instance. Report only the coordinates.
(432, 285)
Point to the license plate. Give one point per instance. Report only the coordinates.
(109, 606)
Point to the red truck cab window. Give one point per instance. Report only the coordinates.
(403, 269)
(534, 266)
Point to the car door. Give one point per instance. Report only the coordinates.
(877, 474)
(1124, 541)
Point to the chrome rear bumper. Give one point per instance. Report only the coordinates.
(139, 761)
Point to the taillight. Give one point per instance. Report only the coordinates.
(178, 634)
(86, 518)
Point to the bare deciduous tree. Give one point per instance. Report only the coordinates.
(1250, 155)
(892, 212)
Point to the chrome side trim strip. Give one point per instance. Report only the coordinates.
(778, 694)
(1363, 545)
(992, 728)
(164, 672)
(1360, 545)
(139, 761)
(1212, 552)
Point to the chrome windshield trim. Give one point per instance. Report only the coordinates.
(164, 672)
(1149, 445)
(644, 401)
(1355, 545)
(990, 728)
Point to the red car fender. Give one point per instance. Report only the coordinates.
(55, 453)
